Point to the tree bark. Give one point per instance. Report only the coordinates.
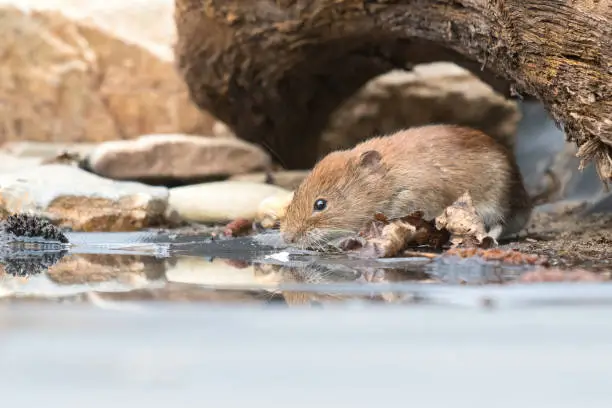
(275, 70)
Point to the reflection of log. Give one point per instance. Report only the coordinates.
(274, 70)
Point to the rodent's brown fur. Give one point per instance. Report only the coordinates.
(423, 168)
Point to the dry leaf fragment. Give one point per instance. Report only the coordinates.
(466, 227)
(393, 239)
(384, 238)
(459, 223)
(507, 256)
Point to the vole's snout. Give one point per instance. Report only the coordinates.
(288, 237)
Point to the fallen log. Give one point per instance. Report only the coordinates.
(275, 70)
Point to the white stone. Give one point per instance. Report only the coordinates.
(289, 179)
(273, 209)
(46, 150)
(220, 129)
(203, 272)
(80, 200)
(221, 201)
(10, 163)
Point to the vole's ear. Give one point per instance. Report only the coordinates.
(370, 159)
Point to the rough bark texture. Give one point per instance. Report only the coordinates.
(275, 70)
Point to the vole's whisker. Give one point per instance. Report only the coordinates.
(320, 244)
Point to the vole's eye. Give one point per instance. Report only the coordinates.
(320, 204)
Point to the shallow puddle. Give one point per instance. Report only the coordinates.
(118, 268)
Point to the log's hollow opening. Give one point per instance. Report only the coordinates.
(432, 93)
(286, 110)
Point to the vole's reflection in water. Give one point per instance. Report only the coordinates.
(444, 270)
(288, 278)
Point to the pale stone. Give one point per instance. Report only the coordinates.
(272, 210)
(46, 150)
(204, 272)
(82, 201)
(289, 179)
(220, 129)
(10, 285)
(10, 163)
(174, 156)
(91, 71)
(429, 94)
(221, 201)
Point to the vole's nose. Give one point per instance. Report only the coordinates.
(288, 237)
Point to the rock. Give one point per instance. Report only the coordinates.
(82, 201)
(289, 179)
(176, 157)
(201, 271)
(10, 163)
(220, 129)
(431, 93)
(46, 150)
(272, 210)
(220, 202)
(181, 292)
(78, 269)
(91, 71)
